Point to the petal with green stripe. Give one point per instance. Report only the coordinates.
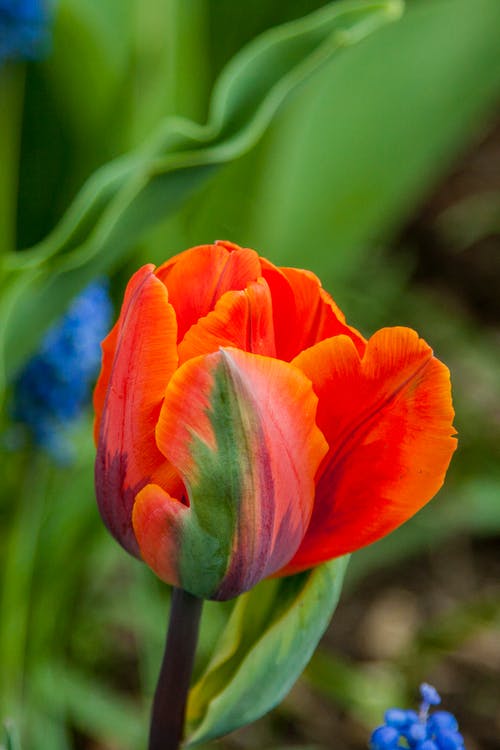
(241, 430)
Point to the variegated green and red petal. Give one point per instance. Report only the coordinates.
(140, 356)
(209, 271)
(241, 319)
(304, 313)
(240, 429)
(388, 419)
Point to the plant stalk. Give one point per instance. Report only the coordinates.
(169, 705)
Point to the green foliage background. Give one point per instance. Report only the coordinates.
(316, 153)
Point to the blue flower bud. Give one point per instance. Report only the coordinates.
(416, 733)
(443, 720)
(428, 745)
(384, 738)
(396, 717)
(447, 740)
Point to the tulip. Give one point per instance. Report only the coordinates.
(244, 430)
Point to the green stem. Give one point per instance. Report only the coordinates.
(169, 705)
(12, 77)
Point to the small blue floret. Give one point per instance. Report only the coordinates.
(447, 740)
(428, 745)
(384, 738)
(416, 733)
(396, 717)
(443, 720)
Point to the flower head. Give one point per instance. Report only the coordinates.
(422, 731)
(54, 386)
(23, 29)
(245, 430)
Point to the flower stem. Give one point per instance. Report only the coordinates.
(169, 705)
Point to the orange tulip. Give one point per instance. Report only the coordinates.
(244, 430)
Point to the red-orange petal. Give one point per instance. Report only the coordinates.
(108, 345)
(157, 518)
(242, 319)
(388, 420)
(197, 278)
(145, 357)
(304, 313)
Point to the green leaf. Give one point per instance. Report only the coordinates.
(270, 636)
(126, 197)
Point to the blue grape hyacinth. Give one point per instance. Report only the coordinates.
(419, 731)
(55, 385)
(24, 29)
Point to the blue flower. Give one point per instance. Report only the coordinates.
(54, 386)
(24, 29)
(422, 731)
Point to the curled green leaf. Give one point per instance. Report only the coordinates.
(269, 638)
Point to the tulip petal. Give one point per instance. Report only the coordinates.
(242, 319)
(388, 420)
(304, 313)
(211, 270)
(135, 377)
(158, 520)
(108, 346)
(240, 429)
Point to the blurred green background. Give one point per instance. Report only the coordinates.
(380, 171)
